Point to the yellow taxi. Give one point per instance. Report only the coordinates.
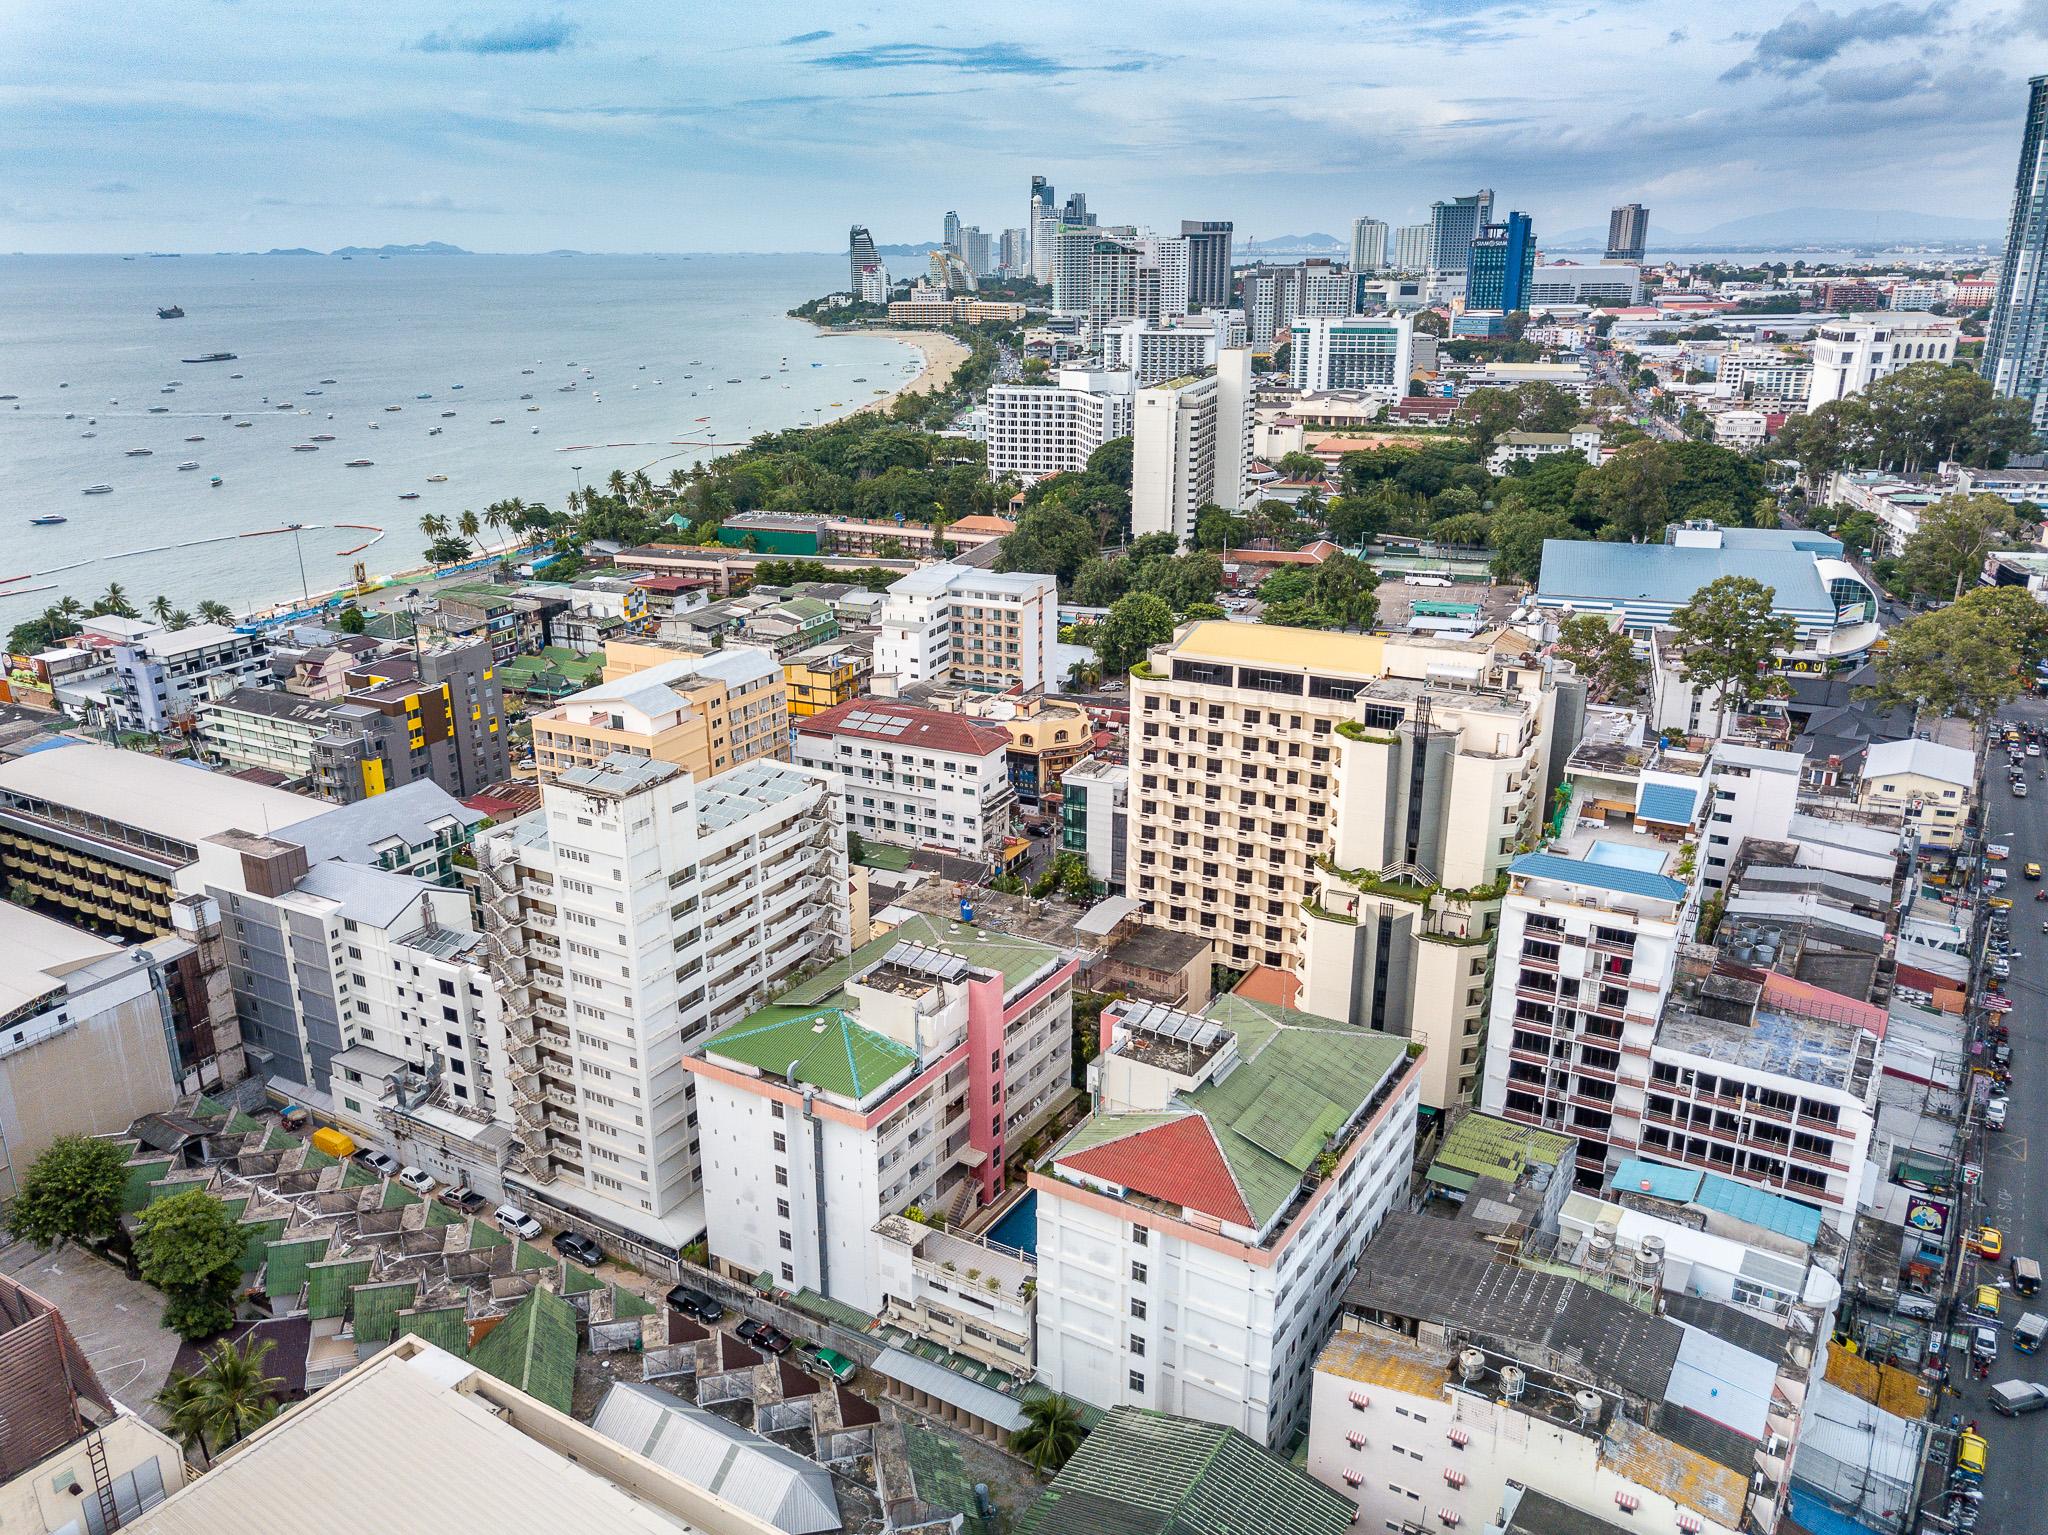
(1986, 1242)
(2032, 871)
(2000, 903)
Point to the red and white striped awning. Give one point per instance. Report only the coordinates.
(1360, 1400)
(1459, 1437)
(1449, 1516)
(1454, 1476)
(1354, 1478)
(1628, 1502)
(1690, 1523)
(1355, 1439)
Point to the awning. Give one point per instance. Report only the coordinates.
(1448, 1515)
(1452, 1177)
(1360, 1400)
(1691, 1523)
(1627, 1502)
(1459, 1437)
(1454, 1476)
(1354, 1478)
(1355, 1439)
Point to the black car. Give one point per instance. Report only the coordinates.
(688, 1301)
(573, 1244)
(775, 1340)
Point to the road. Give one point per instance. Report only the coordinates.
(2013, 1193)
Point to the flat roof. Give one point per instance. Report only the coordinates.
(1278, 645)
(40, 951)
(174, 799)
(1599, 874)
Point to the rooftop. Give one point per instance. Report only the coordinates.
(1670, 574)
(1500, 1148)
(272, 705)
(1925, 759)
(768, 1480)
(906, 726)
(40, 952)
(178, 801)
(413, 814)
(1278, 645)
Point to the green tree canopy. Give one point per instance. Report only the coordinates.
(72, 1192)
(1628, 498)
(1051, 541)
(1968, 659)
(189, 1247)
(1729, 640)
(1602, 654)
(225, 1400)
(1947, 551)
(1134, 625)
(1051, 1433)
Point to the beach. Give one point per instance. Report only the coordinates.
(942, 355)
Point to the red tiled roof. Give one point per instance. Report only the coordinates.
(1178, 1162)
(981, 522)
(1268, 984)
(924, 729)
(1803, 997)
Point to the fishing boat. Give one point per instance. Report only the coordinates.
(327, 381)
(245, 423)
(210, 357)
(446, 414)
(735, 381)
(190, 463)
(433, 431)
(99, 490)
(214, 481)
(195, 439)
(408, 495)
(46, 522)
(394, 407)
(497, 421)
(172, 313)
(137, 453)
(531, 409)
(437, 479)
(526, 396)
(357, 463)
(316, 391)
(422, 397)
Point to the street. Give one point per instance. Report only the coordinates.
(2011, 1194)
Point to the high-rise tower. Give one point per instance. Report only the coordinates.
(1628, 232)
(2016, 347)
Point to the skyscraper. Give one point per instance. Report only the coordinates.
(952, 230)
(1453, 225)
(1628, 232)
(1076, 211)
(1208, 262)
(1502, 264)
(860, 254)
(973, 245)
(2016, 347)
(1040, 206)
(1368, 245)
(1013, 253)
(1411, 248)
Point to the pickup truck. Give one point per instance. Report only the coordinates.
(2010, 1398)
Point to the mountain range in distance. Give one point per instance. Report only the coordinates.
(427, 248)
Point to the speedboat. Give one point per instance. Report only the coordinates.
(437, 479)
(446, 414)
(305, 447)
(323, 437)
(357, 463)
(327, 381)
(497, 421)
(214, 481)
(99, 490)
(394, 407)
(433, 431)
(46, 522)
(531, 409)
(159, 410)
(422, 397)
(245, 423)
(88, 434)
(316, 391)
(190, 463)
(408, 495)
(137, 453)
(195, 439)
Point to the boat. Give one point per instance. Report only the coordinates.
(323, 437)
(433, 431)
(99, 490)
(526, 371)
(357, 463)
(446, 414)
(394, 407)
(497, 421)
(531, 409)
(234, 375)
(172, 313)
(210, 357)
(46, 522)
(526, 396)
(566, 389)
(245, 423)
(195, 439)
(285, 406)
(735, 381)
(454, 386)
(137, 453)
(168, 389)
(408, 495)
(327, 381)
(214, 481)
(437, 479)
(159, 410)
(190, 463)
(859, 380)
(88, 434)
(305, 447)
(422, 397)
(316, 391)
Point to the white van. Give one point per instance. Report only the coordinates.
(515, 1222)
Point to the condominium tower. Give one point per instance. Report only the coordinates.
(1411, 248)
(1628, 232)
(860, 256)
(2016, 346)
(1191, 444)
(1208, 242)
(1368, 245)
(1501, 265)
(1452, 227)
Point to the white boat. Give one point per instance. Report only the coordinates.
(305, 447)
(137, 453)
(190, 463)
(99, 490)
(441, 479)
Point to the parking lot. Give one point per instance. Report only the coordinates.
(113, 1317)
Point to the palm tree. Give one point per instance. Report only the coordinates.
(179, 1398)
(160, 608)
(616, 482)
(434, 525)
(179, 619)
(226, 1399)
(212, 612)
(114, 600)
(643, 488)
(467, 525)
(70, 609)
(1051, 1433)
(678, 478)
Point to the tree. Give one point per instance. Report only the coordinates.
(1968, 659)
(1051, 541)
(350, 620)
(189, 1247)
(1519, 530)
(1729, 638)
(225, 1400)
(160, 609)
(1076, 883)
(212, 612)
(1602, 654)
(448, 550)
(468, 525)
(1112, 462)
(72, 1192)
(114, 600)
(856, 847)
(1217, 528)
(1946, 552)
(1051, 1433)
(1629, 497)
(1826, 440)
(1928, 412)
(46, 631)
(1135, 623)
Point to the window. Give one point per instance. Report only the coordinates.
(787, 1244)
(1137, 1380)
(1140, 1236)
(1137, 1273)
(1137, 1309)
(782, 1177)
(788, 1274)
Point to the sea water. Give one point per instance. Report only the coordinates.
(80, 335)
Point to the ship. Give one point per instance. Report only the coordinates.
(99, 490)
(172, 313)
(357, 463)
(210, 357)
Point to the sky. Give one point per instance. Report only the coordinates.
(709, 125)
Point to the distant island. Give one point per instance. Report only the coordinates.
(429, 248)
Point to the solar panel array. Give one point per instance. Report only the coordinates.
(876, 724)
(1170, 1023)
(927, 961)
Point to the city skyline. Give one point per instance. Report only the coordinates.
(505, 127)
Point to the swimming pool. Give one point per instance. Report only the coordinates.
(1019, 1226)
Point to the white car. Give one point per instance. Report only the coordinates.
(1994, 1114)
(2019, 791)
(419, 1182)
(515, 1222)
(2033, 748)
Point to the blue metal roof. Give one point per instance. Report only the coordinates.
(1781, 540)
(1760, 1207)
(1668, 575)
(1667, 803)
(1634, 1176)
(1601, 876)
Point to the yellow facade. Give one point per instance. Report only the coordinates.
(814, 689)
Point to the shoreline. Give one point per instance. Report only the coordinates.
(940, 356)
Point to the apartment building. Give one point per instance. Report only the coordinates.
(825, 676)
(1463, 1380)
(1095, 817)
(637, 910)
(914, 777)
(1191, 445)
(703, 712)
(1612, 284)
(263, 729)
(1763, 374)
(161, 677)
(1369, 353)
(1851, 354)
(1037, 430)
(1194, 1232)
(976, 628)
(900, 1077)
(1930, 785)
(1154, 353)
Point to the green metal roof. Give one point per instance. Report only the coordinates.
(445, 1327)
(1145, 1473)
(577, 1281)
(627, 1304)
(287, 1262)
(1452, 1178)
(136, 1194)
(328, 1284)
(397, 1195)
(530, 1257)
(1500, 1148)
(482, 1236)
(377, 1307)
(534, 1349)
(824, 1047)
(258, 1237)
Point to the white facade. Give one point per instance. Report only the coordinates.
(1368, 245)
(1037, 430)
(874, 284)
(161, 678)
(1763, 375)
(1320, 289)
(1610, 285)
(1411, 248)
(1850, 355)
(1374, 354)
(637, 910)
(1191, 443)
(1151, 354)
(915, 777)
(977, 627)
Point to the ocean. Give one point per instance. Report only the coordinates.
(670, 357)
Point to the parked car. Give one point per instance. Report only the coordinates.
(420, 1182)
(837, 1365)
(465, 1199)
(574, 1244)
(1987, 1242)
(378, 1161)
(750, 1329)
(1994, 1114)
(775, 1341)
(2010, 1398)
(693, 1302)
(515, 1222)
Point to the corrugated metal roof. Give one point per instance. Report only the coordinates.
(1773, 1212)
(1655, 1179)
(1601, 876)
(1721, 1382)
(756, 1474)
(1667, 803)
(968, 1396)
(1668, 575)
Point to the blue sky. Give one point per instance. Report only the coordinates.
(687, 125)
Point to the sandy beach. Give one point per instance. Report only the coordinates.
(942, 356)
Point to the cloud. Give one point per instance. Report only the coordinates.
(535, 35)
(1810, 36)
(975, 59)
(434, 202)
(1882, 82)
(113, 189)
(804, 37)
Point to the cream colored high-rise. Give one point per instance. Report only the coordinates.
(703, 712)
(1341, 807)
